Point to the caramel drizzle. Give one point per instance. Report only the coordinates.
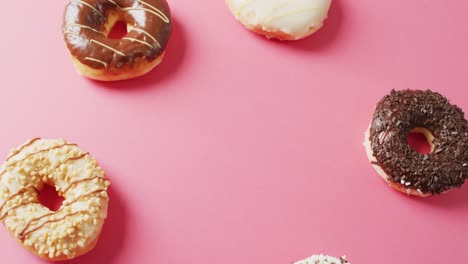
(83, 26)
(23, 147)
(80, 181)
(23, 236)
(27, 188)
(83, 196)
(72, 158)
(49, 214)
(139, 41)
(107, 47)
(88, 5)
(15, 195)
(147, 34)
(157, 12)
(18, 152)
(13, 208)
(23, 232)
(40, 151)
(30, 155)
(96, 60)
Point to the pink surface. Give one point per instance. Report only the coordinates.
(242, 150)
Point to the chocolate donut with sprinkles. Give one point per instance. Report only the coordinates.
(86, 27)
(445, 128)
(74, 229)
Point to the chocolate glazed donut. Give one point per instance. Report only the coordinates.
(445, 128)
(87, 23)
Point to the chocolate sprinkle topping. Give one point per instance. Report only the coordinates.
(394, 117)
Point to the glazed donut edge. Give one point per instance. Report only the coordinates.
(298, 21)
(140, 69)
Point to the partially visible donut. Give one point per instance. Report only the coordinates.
(445, 128)
(87, 24)
(74, 229)
(322, 259)
(280, 19)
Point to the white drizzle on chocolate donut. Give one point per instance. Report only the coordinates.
(87, 24)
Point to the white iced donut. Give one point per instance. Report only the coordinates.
(74, 229)
(281, 19)
(322, 259)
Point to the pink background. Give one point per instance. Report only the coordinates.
(242, 150)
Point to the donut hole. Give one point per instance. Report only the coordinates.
(50, 198)
(118, 30)
(420, 140)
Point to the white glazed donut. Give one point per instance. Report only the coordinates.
(322, 259)
(281, 19)
(74, 229)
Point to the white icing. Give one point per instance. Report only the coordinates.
(297, 18)
(321, 259)
(85, 201)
